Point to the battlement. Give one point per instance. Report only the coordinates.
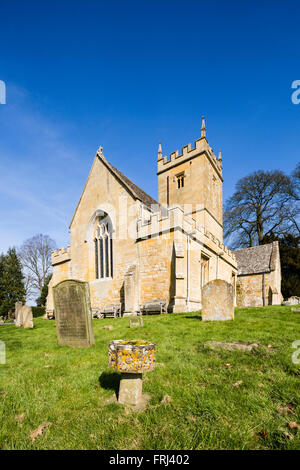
(61, 255)
(166, 220)
(187, 153)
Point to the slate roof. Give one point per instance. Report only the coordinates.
(137, 192)
(257, 259)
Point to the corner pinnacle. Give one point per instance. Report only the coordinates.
(203, 128)
(159, 151)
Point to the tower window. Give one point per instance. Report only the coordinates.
(180, 180)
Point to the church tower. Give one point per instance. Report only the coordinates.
(193, 180)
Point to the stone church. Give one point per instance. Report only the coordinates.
(132, 249)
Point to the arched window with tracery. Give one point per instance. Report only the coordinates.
(103, 248)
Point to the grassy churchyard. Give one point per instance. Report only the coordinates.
(200, 398)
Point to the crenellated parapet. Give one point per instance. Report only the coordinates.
(61, 255)
(168, 220)
(189, 152)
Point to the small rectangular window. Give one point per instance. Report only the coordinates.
(180, 180)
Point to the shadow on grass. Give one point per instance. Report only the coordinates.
(194, 317)
(110, 381)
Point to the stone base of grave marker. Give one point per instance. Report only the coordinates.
(132, 358)
(130, 391)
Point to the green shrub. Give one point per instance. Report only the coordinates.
(38, 311)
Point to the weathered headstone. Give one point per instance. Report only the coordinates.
(217, 301)
(18, 314)
(73, 314)
(23, 316)
(294, 300)
(136, 322)
(131, 291)
(10, 315)
(27, 318)
(2, 353)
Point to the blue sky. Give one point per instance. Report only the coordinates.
(125, 75)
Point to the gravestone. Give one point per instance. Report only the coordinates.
(231, 346)
(131, 292)
(10, 315)
(23, 315)
(73, 313)
(27, 318)
(136, 322)
(294, 300)
(217, 301)
(18, 314)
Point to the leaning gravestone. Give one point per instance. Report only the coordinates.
(217, 301)
(18, 314)
(73, 314)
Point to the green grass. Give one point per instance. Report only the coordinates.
(69, 387)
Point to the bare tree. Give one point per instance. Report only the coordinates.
(296, 182)
(35, 257)
(28, 283)
(261, 205)
(293, 211)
